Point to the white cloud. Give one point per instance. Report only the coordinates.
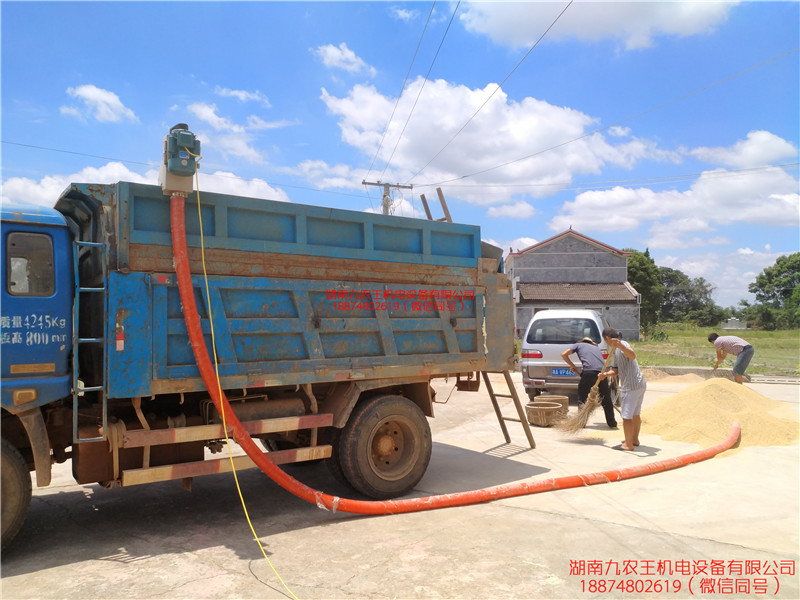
(224, 182)
(256, 123)
(719, 240)
(759, 149)
(236, 144)
(325, 176)
(72, 111)
(765, 196)
(243, 95)
(231, 138)
(618, 131)
(341, 57)
(508, 145)
(673, 234)
(404, 15)
(103, 105)
(208, 114)
(46, 191)
(521, 243)
(519, 210)
(729, 272)
(515, 245)
(635, 24)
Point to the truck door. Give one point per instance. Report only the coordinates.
(36, 320)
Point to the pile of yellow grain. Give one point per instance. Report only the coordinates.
(704, 413)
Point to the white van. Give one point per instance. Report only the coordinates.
(549, 333)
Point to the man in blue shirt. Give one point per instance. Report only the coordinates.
(591, 358)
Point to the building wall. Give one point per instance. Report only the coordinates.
(569, 260)
(622, 317)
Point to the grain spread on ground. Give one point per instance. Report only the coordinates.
(704, 413)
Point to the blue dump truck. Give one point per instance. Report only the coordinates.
(328, 326)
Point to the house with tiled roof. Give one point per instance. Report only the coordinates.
(571, 270)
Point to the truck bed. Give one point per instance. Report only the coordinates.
(297, 293)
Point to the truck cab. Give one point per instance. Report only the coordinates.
(35, 344)
(37, 296)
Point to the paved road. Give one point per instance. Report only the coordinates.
(728, 516)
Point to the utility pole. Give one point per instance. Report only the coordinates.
(387, 198)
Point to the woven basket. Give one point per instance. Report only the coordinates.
(563, 400)
(543, 414)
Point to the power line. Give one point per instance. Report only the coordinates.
(130, 162)
(402, 88)
(499, 87)
(153, 164)
(598, 130)
(422, 87)
(569, 185)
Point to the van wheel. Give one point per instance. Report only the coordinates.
(385, 447)
(16, 491)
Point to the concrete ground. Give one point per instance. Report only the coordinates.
(723, 528)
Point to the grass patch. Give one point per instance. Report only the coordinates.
(682, 345)
(776, 352)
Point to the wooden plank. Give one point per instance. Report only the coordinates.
(240, 263)
(219, 465)
(137, 438)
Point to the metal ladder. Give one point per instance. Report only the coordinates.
(470, 385)
(515, 397)
(77, 341)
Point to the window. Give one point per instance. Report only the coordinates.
(30, 268)
(563, 331)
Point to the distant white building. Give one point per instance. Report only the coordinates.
(734, 323)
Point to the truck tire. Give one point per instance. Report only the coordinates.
(16, 491)
(385, 447)
(334, 462)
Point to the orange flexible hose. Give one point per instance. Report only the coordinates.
(378, 507)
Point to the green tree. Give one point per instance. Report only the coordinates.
(776, 284)
(643, 275)
(688, 299)
(677, 295)
(704, 311)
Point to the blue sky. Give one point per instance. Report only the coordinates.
(668, 126)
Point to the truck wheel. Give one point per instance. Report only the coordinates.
(385, 447)
(16, 491)
(335, 462)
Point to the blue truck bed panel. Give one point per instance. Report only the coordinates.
(139, 214)
(287, 331)
(298, 294)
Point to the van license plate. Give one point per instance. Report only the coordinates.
(561, 372)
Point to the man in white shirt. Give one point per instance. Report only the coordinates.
(632, 386)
